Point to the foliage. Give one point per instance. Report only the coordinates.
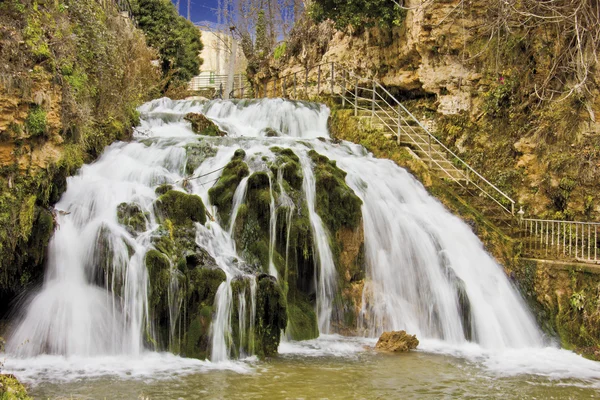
(176, 39)
(36, 121)
(12, 389)
(279, 51)
(262, 42)
(358, 13)
(77, 71)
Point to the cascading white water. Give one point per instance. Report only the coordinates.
(420, 258)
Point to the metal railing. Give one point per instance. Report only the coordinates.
(561, 239)
(218, 84)
(366, 95)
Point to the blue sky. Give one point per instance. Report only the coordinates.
(202, 10)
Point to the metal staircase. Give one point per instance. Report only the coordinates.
(374, 103)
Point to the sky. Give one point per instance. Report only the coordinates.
(202, 10)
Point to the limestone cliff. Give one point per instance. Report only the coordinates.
(480, 92)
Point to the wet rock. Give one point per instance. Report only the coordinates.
(196, 153)
(162, 189)
(181, 208)
(270, 132)
(221, 194)
(397, 341)
(289, 164)
(202, 125)
(337, 204)
(271, 315)
(132, 217)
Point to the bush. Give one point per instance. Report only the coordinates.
(36, 122)
(176, 39)
(360, 13)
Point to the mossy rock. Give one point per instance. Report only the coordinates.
(159, 276)
(271, 316)
(196, 341)
(181, 208)
(270, 132)
(11, 388)
(242, 342)
(202, 125)
(196, 153)
(289, 164)
(221, 194)
(337, 204)
(162, 189)
(302, 319)
(203, 284)
(132, 217)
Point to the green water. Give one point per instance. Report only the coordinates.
(367, 375)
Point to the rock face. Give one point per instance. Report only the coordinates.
(397, 341)
(202, 125)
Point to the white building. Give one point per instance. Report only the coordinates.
(224, 63)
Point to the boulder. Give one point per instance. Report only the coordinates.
(397, 341)
(202, 125)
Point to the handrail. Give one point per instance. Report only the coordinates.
(447, 149)
(327, 78)
(567, 239)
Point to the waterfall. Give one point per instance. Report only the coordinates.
(426, 272)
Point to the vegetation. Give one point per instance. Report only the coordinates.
(176, 39)
(181, 208)
(361, 13)
(12, 389)
(221, 194)
(74, 73)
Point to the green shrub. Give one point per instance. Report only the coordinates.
(279, 51)
(35, 124)
(358, 13)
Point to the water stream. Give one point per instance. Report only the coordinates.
(426, 273)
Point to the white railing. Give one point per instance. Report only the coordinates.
(368, 95)
(218, 85)
(567, 239)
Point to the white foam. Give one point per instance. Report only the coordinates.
(327, 345)
(149, 365)
(548, 362)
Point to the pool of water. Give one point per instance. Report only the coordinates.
(331, 367)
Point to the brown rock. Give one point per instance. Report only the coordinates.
(397, 341)
(202, 125)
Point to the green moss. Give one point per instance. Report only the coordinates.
(242, 342)
(302, 319)
(132, 217)
(271, 316)
(181, 208)
(204, 283)
(288, 164)
(34, 37)
(11, 388)
(221, 194)
(159, 275)
(201, 125)
(162, 189)
(35, 123)
(336, 203)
